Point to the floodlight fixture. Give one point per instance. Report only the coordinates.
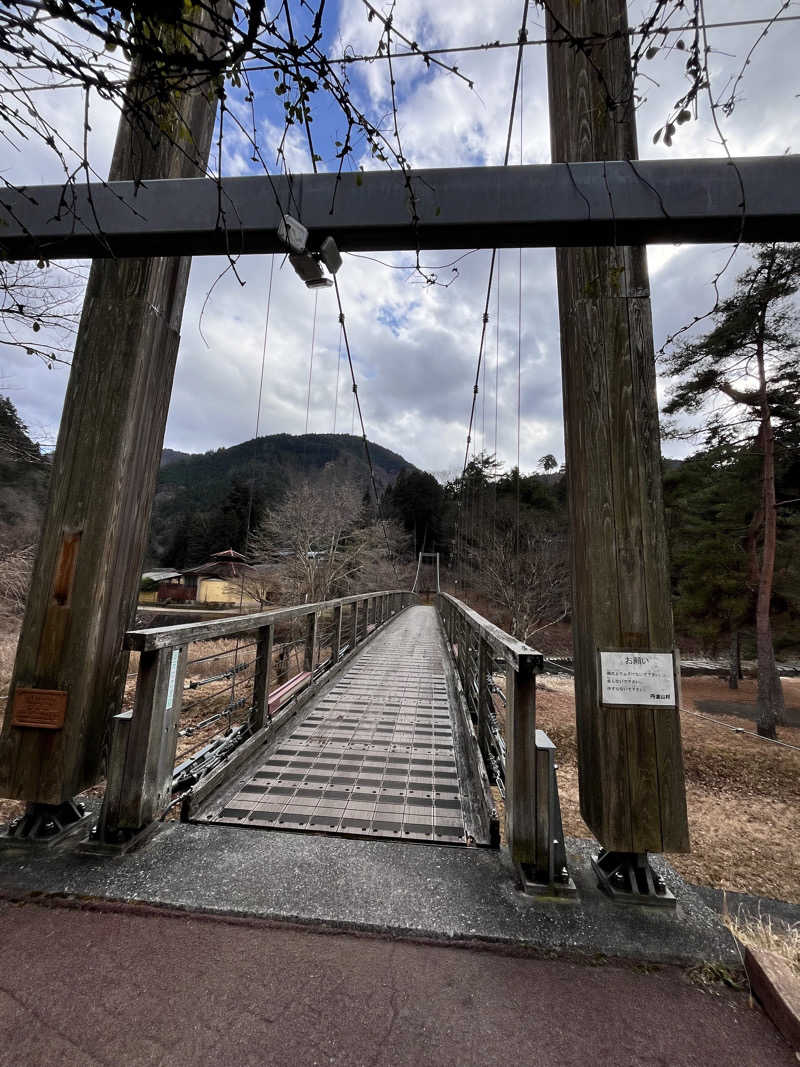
(293, 234)
(330, 255)
(306, 264)
(306, 267)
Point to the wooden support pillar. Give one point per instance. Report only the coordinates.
(630, 761)
(86, 578)
(266, 638)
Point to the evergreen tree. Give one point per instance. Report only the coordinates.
(742, 377)
(416, 500)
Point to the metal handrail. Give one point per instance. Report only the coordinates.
(522, 764)
(512, 650)
(140, 778)
(152, 638)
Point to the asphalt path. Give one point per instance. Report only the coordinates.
(120, 986)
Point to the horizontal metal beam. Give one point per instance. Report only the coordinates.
(559, 204)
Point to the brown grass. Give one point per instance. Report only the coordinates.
(742, 793)
(9, 635)
(761, 933)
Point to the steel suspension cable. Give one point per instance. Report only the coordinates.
(336, 390)
(311, 358)
(357, 402)
(519, 355)
(523, 33)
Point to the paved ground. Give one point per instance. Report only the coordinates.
(400, 888)
(116, 987)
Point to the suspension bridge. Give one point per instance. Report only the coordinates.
(398, 719)
(374, 715)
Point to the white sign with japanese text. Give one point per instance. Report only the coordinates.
(641, 678)
(173, 677)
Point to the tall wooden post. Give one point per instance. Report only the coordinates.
(630, 761)
(86, 579)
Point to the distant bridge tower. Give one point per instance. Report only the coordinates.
(426, 580)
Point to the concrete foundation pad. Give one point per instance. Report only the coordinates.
(387, 888)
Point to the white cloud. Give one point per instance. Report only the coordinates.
(415, 347)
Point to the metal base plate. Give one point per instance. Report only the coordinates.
(628, 878)
(531, 886)
(44, 826)
(94, 845)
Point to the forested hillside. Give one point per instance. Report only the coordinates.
(203, 502)
(712, 510)
(502, 538)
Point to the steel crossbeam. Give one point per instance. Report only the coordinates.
(558, 204)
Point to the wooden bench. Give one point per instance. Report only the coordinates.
(278, 696)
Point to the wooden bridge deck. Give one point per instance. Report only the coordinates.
(377, 752)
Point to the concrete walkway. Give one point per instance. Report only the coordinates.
(118, 986)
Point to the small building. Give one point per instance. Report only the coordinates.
(222, 580)
(227, 580)
(152, 581)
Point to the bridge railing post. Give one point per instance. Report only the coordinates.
(265, 641)
(519, 760)
(461, 627)
(143, 744)
(521, 763)
(310, 643)
(354, 624)
(336, 639)
(484, 695)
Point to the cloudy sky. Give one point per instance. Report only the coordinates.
(415, 346)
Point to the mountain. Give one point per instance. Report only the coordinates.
(203, 502)
(169, 455)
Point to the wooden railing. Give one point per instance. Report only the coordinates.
(519, 759)
(262, 668)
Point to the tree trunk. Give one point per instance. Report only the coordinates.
(734, 668)
(770, 693)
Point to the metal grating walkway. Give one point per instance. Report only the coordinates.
(375, 755)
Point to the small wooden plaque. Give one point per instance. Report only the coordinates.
(44, 709)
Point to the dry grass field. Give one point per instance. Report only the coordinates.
(743, 793)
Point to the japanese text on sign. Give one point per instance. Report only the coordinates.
(641, 678)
